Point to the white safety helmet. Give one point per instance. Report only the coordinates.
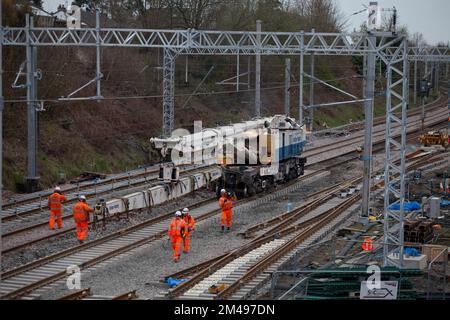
(178, 213)
(185, 210)
(83, 198)
(223, 191)
(57, 189)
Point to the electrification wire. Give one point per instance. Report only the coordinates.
(138, 97)
(57, 100)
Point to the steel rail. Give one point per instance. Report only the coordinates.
(132, 295)
(77, 295)
(20, 246)
(316, 223)
(286, 218)
(359, 125)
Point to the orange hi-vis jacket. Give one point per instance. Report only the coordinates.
(190, 222)
(177, 228)
(225, 204)
(54, 202)
(81, 212)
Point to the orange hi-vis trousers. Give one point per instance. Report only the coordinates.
(186, 241)
(227, 218)
(55, 215)
(82, 230)
(176, 246)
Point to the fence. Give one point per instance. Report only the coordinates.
(293, 280)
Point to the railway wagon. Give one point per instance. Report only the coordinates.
(264, 157)
(253, 155)
(160, 194)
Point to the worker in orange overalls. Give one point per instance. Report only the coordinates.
(177, 231)
(190, 223)
(226, 204)
(81, 216)
(367, 244)
(55, 201)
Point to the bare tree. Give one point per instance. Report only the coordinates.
(417, 39)
(323, 15)
(193, 12)
(235, 14)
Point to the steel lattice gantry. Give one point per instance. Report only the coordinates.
(397, 88)
(390, 48)
(168, 91)
(176, 42)
(217, 42)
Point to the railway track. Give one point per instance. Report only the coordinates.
(39, 204)
(381, 119)
(51, 235)
(26, 278)
(232, 270)
(378, 144)
(29, 198)
(377, 135)
(38, 216)
(40, 208)
(242, 271)
(117, 179)
(274, 224)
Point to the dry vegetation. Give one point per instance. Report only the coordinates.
(112, 134)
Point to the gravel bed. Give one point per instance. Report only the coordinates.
(59, 243)
(146, 267)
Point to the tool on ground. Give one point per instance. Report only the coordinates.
(215, 289)
(100, 210)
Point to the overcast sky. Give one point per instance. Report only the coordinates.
(430, 17)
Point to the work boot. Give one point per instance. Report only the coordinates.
(80, 241)
(176, 260)
(186, 252)
(229, 228)
(223, 228)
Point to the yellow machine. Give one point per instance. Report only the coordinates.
(434, 138)
(215, 289)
